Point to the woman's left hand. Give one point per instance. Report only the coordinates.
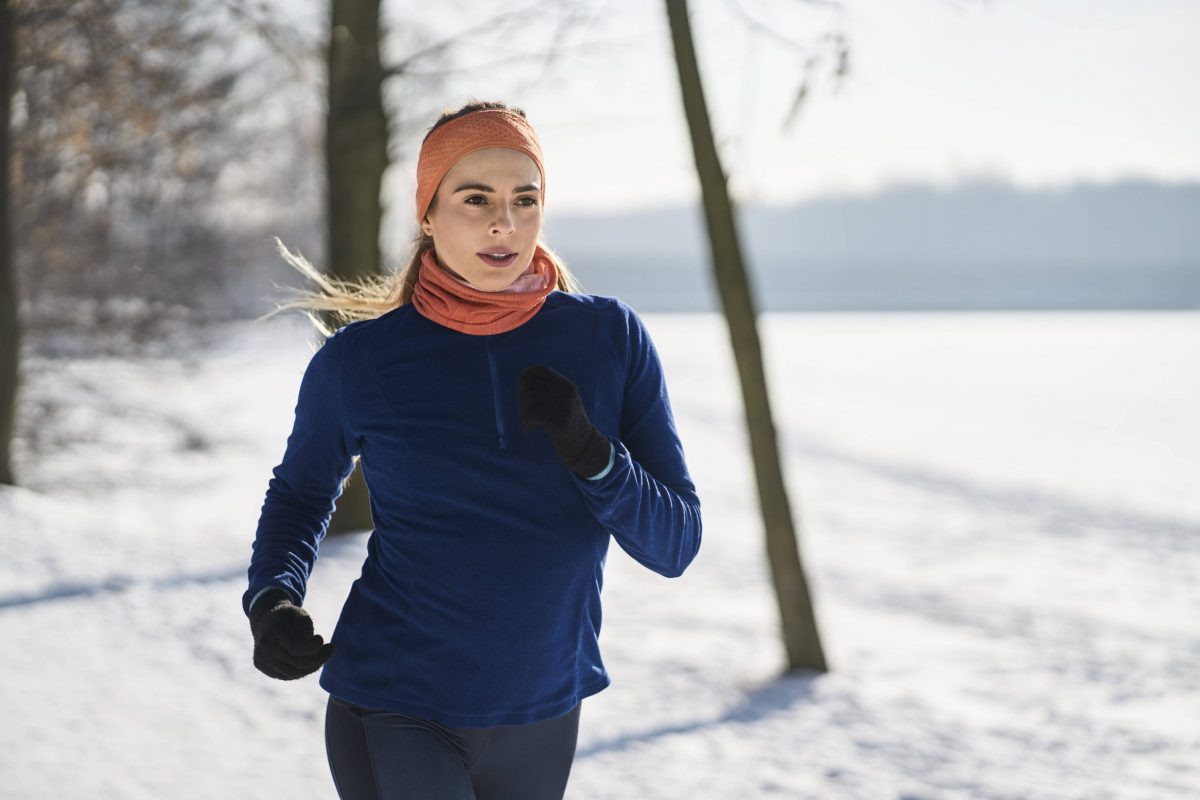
(549, 401)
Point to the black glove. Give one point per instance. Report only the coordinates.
(550, 402)
(285, 646)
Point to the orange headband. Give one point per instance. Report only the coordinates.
(447, 143)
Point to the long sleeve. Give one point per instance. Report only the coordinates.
(301, 496)
(647, 499)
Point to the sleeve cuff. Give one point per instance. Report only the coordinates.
(612, 457)
(261, 592)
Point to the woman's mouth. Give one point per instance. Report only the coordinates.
(498, 259)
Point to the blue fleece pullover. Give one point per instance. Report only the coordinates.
(479, 599)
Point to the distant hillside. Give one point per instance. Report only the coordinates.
(984, 245)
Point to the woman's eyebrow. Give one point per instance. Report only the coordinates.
(483, 187)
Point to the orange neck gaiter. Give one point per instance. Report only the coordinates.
(457, 304)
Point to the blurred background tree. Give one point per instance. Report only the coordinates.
(356, 157)
(141, 143)
(10, 340)
(125, 113)
(798, 624)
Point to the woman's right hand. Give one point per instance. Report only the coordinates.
(285, 646)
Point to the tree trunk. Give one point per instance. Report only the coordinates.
(356, 156)
(801, 640)
(10, 344)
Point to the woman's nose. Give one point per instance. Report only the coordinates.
(503, 222)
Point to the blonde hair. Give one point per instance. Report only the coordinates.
(374, 295)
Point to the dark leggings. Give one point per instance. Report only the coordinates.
(382, 755)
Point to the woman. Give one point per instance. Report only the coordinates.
(507, 426)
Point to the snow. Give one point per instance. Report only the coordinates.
(999, 515)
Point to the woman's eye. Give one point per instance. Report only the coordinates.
(480, 200)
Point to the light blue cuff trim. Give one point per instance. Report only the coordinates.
(612, 459)
(261, 592)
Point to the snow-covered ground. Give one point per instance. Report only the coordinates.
(1000, 519)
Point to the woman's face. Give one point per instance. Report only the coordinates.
(489, 202)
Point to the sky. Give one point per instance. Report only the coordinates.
(938, 91)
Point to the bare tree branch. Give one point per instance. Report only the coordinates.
(280, 38)
(507, 17)
(831, 45)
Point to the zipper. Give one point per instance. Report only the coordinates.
(495, 394)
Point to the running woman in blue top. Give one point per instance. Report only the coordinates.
(508, 426)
